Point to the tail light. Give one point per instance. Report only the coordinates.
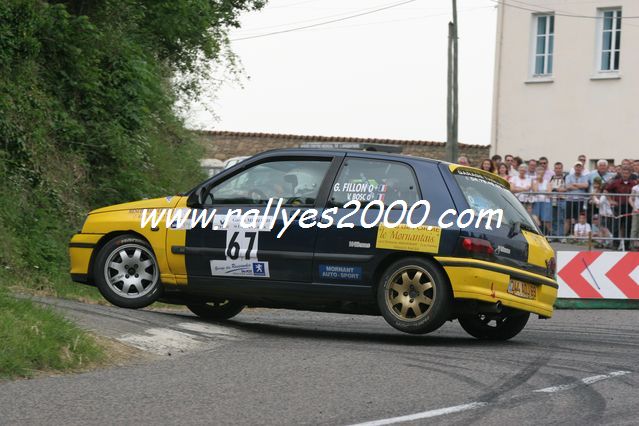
(476, 246)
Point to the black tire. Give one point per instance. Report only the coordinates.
(135, 281)
(411, 303)
(494, 326)
(216, 310)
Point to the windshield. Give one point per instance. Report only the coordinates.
(483, 193)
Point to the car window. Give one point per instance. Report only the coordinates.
(368, 180)
(296, 181)
(482, 193)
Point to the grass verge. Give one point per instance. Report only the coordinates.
(36, 338)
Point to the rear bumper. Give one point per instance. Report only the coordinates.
(488, 282)
(81, 248)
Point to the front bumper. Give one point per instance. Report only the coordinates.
(81, 248)
(488, 282)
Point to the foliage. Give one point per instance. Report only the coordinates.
(87, 95)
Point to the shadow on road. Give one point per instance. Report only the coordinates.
(390, 338)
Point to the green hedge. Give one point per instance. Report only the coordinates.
(88, 90)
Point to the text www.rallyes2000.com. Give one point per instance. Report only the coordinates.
(187, 218)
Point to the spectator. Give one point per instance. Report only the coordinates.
(532, 168)
(517, 161)
(597, 188)
(601, 172)
(502, 171)
(533, 216)
(510, 162)
(521, 185)
(600, 234)
(496, 159)
(582, 160)
(463, 161)
(558, 186)
(543, 161)
(605, 214)
(612, 169)
(621, 205)
(635, 169)
(634, 230)
(577, 186)
(582, 228)
(541, 202)
(487, 166)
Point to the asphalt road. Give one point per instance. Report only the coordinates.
(287, 367)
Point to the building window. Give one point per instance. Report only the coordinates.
(544, 26)
(610, 41)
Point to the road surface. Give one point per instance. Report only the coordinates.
(288, 367)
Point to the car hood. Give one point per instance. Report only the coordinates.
(153, 203)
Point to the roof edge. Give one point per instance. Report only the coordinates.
(318, 138)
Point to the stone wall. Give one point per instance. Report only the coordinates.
(224, 145)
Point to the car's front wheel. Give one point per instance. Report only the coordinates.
(127, 274)
(501, 326)
(414, 295)
(216, 310)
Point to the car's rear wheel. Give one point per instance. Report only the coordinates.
(127, 274)
(414, 295)
(216, 310)
(501, 326)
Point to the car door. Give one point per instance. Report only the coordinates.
(247, 239)
(349, 255)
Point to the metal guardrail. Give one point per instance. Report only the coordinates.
(603, 220)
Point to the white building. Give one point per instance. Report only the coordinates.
(567, 80)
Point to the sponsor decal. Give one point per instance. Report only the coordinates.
(423, 239)
(359, 244)
(362, 190)
(502, 250)
(340, 272)
(239, 268)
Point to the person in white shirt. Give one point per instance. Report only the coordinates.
(521, 185)
(532, 169)
(541, 203)
(510, 162)
(582, 228)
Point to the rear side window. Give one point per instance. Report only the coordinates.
(368, 180)
(482, 193)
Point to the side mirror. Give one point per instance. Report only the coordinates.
(196, 199)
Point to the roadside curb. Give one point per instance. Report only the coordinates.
(597, 304)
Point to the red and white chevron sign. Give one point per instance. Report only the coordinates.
(598, 274)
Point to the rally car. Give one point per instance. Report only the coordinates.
(490, 278)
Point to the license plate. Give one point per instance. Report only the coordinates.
(522, 289)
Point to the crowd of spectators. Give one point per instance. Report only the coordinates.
(602, 204)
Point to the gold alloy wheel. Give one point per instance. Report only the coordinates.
(410, 293)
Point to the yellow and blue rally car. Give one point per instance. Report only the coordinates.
(322, 244)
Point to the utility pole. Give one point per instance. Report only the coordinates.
(452, 108)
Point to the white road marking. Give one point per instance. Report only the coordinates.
(585, 381)
(425, 414)
(474, 405)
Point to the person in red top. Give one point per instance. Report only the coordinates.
(621, 205)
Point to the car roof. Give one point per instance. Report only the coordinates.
(351, 153)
